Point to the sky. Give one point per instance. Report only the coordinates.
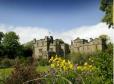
(36, 18)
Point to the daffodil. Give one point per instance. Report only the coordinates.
(52, 66)
(71, 66)
(61, 64)
(85, 63)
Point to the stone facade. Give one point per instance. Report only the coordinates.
(84, 46)
(60, 48)
(40, 48)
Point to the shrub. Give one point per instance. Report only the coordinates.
(22, 74)
(24, 60)
(103, 74)
(5, 63)
(42, 62)
(104, 62)
(78, 58)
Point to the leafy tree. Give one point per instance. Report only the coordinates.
(27, 51)
(104, 63)
(11, 44)
(1, 46)
(1, 36)
(110, 48)
(107, 7)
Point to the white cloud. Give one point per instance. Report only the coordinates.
(29, 33)
(87, 32)
(26, 33)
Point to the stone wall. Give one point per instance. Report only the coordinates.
(60, 48)
(40, 48)
(85, 46)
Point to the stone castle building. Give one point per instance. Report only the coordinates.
(84, 46)
(57, 47)
(60, 48)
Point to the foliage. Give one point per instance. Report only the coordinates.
(11, 44)
(102, 71)
(4, 74)
(42, 68)
(5, 63)
(23, 73)
(42, 62)
(1, 46)
(24, 60)
(1, 36)
(27, 49)
(2, 50)
(104, 62)
(78, 58)
(107, 7)
(86, 67)
(109, 48)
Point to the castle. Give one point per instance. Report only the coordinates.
(85, 46)
(57, 47)
(61, 48)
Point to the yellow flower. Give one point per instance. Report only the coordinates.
(65, 68)
(52, 66)
(89, 58)
(61, 64)
(69, 62)
(90, 66)
(71, 66)
(63, 61)
(85, 63)
(51, 59)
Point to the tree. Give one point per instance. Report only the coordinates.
(11, 44)
(104, 39)
(107, 7)
(1, 36)
(49, 41)
(1, 46)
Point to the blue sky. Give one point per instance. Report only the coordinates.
(65, 19)
(55, 15)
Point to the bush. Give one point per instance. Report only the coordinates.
(24, 60)
(103, 74)
(5, 63)
(78, 58)
(42, 62)
(104, 62)
(22, 74)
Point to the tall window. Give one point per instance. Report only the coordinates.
(51, 49)
(40, 50)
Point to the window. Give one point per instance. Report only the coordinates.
(51, 49)
(40, 50)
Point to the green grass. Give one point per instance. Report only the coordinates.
(4, 73)
(42, 68)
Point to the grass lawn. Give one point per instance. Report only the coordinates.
(4, 73)
(42, 68)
